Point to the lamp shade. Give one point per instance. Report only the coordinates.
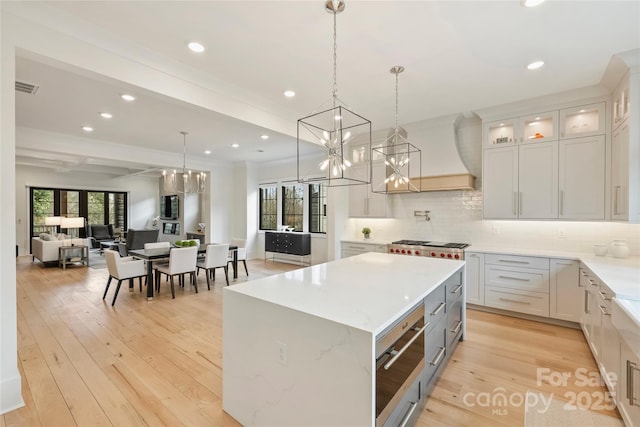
(52, 220)
(76, 222)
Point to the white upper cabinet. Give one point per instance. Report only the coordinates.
(582, 178)
(500, 183)
(362, 201)
(539, 127)
(585, 120)
(620, 173)
(538, 181)
(621, 103)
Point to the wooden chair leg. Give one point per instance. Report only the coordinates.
(116, 294)
(226, 274)
(244, 261)
(173, 292)
(208, 280)
(194, 280)
(140, 282)
(107, 288)
(157, 285)
(131, 284)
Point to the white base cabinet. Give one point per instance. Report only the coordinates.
(353, 248)
(628, 398)
(475, 277)
(564, 290)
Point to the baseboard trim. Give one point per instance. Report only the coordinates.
(11, 394)
(524, 316)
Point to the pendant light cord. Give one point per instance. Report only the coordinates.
(335, 60)
(184, 151)
(397, 102)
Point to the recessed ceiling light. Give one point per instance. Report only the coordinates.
(531, 3)
(289, 93)
(87, 128)
(196, 47)
(264, 136)
(106, 115)
(128, 97)
(501, 124)
(535, 65)
(207, 151)
(582, 111)
(235, 145)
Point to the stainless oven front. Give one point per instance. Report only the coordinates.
(399, 361)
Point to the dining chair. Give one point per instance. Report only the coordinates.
(157, 245)
(181, 262)
(122, 268)
(215, 257)
(242, 252)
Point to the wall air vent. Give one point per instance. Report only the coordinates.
(26, 88)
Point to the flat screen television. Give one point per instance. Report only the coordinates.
(169, 207)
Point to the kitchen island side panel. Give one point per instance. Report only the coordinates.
(282, 367)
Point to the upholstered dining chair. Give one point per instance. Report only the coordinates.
(122, 268)
(242, 252)
(215, 257)
(157, 245)
(181, 262)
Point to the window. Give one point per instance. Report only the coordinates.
(317, 208)
(293, 206)
(268, 208)
(99, 207)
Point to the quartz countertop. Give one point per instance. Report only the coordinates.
(368, 291)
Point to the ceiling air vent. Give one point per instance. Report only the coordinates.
(26, 88)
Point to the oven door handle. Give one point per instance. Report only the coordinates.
(407, 416)
(405, 347)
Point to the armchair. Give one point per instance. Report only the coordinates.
(100, 233)
(136, 240)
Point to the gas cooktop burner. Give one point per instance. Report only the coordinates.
(431, 244)
(411, 242)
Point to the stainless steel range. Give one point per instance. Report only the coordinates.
(428, 248)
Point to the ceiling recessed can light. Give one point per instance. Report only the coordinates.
(128, 97)
(87, 128)
(531, 3)
(106, 115)
(207, 151)
(264, 136)
(196, 47)
(235, 145)
(535, 65)
(289, 93)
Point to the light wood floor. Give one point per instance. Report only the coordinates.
(157, 363)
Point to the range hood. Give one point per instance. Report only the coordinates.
(442, 166)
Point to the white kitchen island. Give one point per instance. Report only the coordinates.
(299, 347)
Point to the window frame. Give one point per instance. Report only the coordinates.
(298, 215)
(261, 200)
(323, 194)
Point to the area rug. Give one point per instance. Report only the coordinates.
(96, 260)
(549, 412)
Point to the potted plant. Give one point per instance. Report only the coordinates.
(367, 232)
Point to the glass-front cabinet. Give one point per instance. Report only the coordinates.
(540, 127)
(585, 120)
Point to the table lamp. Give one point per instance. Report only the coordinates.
(52, 221)
(73, 224)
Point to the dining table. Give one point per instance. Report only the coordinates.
(157, 254)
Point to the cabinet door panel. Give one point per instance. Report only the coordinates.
(620, 173)
(564, 290)
(538, 181)
(582, 178)
(500, 182)
(475, 278)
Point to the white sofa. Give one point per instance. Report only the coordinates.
(47, 250)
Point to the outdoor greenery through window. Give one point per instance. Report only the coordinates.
(293, 206)
(268, 207)
(99, 207)
(317, 208)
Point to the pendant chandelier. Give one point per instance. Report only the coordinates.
(399, 156)
(341, 132)
(186, 181)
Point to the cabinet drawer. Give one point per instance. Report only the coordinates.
(435, 306)
(454, 323)
(517, 261)
(527, 279)
(412, 397)
(435, 349)
(515, 300)
(363, 247)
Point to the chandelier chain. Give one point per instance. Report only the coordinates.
(335, 60)
(397, 102)
(184, 151)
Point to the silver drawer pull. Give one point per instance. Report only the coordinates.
(513, 261)
(631, 368)
(604, 310)
(438, 357)
(407, 416)
(455, 291)
(406, 346)
(457, 328)
(513, 300)
(438, 310)
(604, 296)
(514, 278)
(355, 247)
